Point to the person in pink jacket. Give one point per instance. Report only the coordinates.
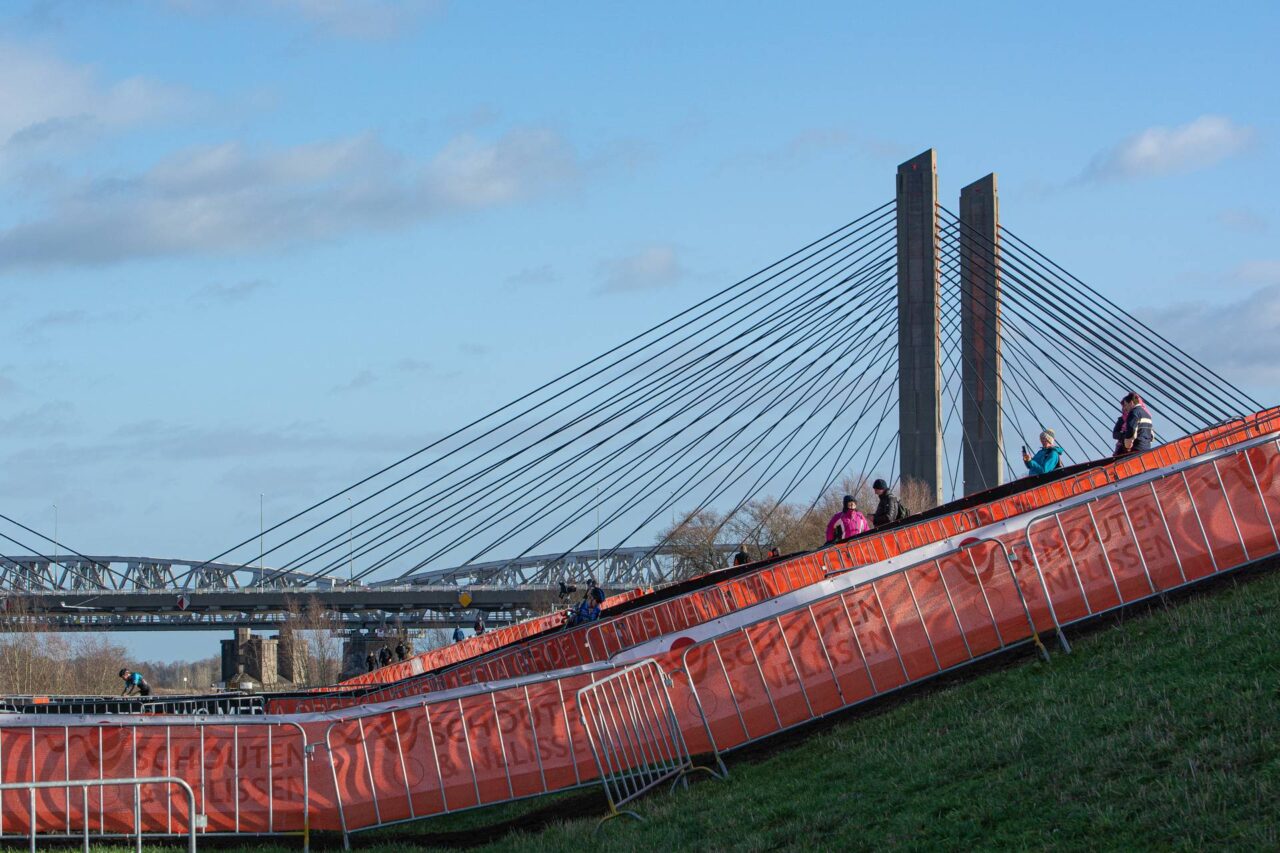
(847, 522)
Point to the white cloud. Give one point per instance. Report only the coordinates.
(1237, 339)
(228, 198)
(469, 172)
(1204, 142)
(652, 267)
(44, 100)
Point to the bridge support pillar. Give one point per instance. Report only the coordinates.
(980, 334)
(919, 366)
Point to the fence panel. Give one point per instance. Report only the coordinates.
(631, 726)
(711, 691)
(906, 630)
(973, 611)
(1086, 552)
(810, 657)
(941, 622)
(780, 677)
(1048, 544)
(1190, 542)
(871, 630)
(841, 643)
(1214, 509)
(1247, 505)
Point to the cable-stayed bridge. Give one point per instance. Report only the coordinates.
(917, 342)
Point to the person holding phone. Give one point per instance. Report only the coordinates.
(1047, 458)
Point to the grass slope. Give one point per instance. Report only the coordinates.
(1159, 732)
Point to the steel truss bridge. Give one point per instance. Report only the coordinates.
(152, 593)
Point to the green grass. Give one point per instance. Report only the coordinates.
(1159, 732)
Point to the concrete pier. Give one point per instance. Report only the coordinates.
(919, 365)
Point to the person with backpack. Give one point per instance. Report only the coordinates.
(134, 681)
(847, 522)
(889, 509)
(458, 635)
(1047, 458)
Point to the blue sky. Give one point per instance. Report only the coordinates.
(265, 247)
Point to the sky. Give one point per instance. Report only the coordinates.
(262, 247)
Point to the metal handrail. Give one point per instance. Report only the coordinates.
(193, 818)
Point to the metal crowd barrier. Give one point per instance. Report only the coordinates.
(85, 784)
(248, 777)
(634, 735)
(908, 625)
(482, 745)
(210, 705)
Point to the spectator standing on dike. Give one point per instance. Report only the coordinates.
(847, 522)
(889, 509)
(1047, 458)
(1133, 431)
(370, 662)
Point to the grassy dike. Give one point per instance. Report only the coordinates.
(1161, 732)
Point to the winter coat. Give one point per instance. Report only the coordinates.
(1045, 460)
(845, 524)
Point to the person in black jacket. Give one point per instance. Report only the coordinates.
(384, 656)
(889, 509)
(401, 651)
(1133, 431)
(370, 662)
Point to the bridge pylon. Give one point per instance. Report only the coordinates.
(980, 352)
(919, 325)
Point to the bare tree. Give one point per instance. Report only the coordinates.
(693, 542)
(917, 497)
(310, 634)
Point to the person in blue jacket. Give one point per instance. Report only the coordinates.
(1047, 458)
